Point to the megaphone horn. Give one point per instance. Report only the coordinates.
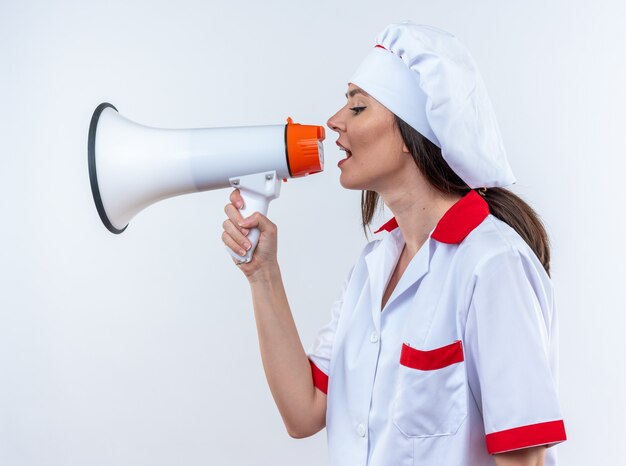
(132, 166)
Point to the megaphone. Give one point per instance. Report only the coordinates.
(132, 166)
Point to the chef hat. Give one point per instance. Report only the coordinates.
(428, 78)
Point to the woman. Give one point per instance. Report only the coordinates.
(441, 347)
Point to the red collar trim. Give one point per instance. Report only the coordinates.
(389, 226)
(458, 221)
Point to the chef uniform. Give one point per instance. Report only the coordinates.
(461, 363)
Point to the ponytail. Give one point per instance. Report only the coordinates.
(512, 210)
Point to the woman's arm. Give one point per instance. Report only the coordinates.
(287, 368)
(286, 365)
(533, 456)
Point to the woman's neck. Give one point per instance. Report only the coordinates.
(417, 211)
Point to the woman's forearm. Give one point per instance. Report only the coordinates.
(285, 362)
(533, 456)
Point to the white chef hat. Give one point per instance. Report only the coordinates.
(428, 78)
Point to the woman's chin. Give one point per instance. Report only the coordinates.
(347, 183)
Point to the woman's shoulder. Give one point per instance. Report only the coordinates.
(503, 263)
(495, 241)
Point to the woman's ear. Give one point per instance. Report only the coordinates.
(405, 149)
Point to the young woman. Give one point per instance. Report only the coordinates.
(441, 349)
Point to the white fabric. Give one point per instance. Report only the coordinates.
(490, 292)
(428, 78)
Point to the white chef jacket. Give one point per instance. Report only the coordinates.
(459, 365)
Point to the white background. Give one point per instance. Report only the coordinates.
(141, 349)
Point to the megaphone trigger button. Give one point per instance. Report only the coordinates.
(285, 180)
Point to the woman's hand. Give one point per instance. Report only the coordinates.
(236, 229)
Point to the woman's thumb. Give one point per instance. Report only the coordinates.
(257, 220)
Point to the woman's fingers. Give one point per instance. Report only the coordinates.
(234, 216)
(232, 244)
(237, 236)
(265, 252)
(236, 199)
(237, 229)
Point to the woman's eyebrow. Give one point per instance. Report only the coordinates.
(355, 91)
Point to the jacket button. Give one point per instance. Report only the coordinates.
(374, 337)
(360, 429)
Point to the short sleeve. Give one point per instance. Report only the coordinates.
(320, 351)
(510, 342)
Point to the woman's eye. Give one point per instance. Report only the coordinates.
(357, 110)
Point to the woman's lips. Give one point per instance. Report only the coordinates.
(349, 154)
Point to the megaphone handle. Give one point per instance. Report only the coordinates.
(257, 191)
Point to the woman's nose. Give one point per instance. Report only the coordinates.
(334, 122)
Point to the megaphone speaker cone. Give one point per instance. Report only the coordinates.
(93, 175)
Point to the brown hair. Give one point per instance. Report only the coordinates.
(503, 204)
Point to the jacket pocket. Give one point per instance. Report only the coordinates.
(430, 397)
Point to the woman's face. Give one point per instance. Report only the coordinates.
(375, 152)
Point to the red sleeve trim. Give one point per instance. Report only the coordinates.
(433, 359)
(526, 436)
(320, 380)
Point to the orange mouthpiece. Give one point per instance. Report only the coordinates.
(305, 153)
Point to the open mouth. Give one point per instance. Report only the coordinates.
(348, 155)
(347, 151)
